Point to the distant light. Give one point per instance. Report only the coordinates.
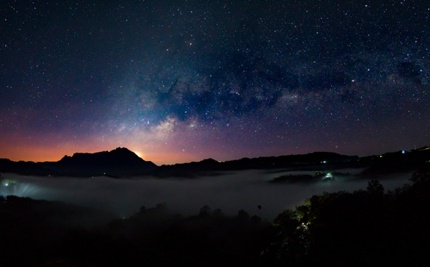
(329, 175)
(6, 184)
(403, 151)
(324, 162)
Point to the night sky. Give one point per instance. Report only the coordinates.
(177, 81)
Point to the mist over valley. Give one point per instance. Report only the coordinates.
(250, 190)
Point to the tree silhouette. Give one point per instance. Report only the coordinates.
(362, 228)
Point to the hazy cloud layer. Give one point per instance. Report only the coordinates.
(230, 192)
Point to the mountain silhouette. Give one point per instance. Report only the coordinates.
(188, 169)
(210, 166)
(122, 162)
(23, 167)
(117, 156)
(116, 163)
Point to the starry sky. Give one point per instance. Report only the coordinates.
(178, 81)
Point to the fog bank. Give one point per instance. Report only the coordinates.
(230, 191)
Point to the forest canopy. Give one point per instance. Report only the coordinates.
(369, 227)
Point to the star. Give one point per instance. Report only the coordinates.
(255, 78)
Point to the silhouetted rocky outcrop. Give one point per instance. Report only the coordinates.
(116, 163)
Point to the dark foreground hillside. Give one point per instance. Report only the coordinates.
(363, 228)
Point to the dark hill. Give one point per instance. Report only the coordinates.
(188, 169)
(22, 167)
(211, 166)
(116, 163)
(290, 161)
(123, 162)
(395, 162)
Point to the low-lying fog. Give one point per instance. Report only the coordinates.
(230, 191)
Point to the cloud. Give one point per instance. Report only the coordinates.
(231, 192)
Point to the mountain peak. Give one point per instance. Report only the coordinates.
(115, 162)
(123, 151)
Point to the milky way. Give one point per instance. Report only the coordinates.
(185, 80)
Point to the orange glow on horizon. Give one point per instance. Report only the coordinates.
(42, 153)
(54, 147)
